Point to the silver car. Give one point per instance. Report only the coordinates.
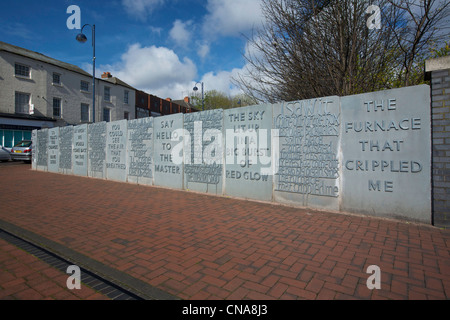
(22, 151)
(4, 154)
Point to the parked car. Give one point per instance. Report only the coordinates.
(4, 154)
(22, 151)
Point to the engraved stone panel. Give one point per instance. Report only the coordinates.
(97, 150)
(42, 150)
(80, 150)
(53, 150)
(248, 150)
(35, 146)
(140, 151)
(203, 151)
(386, 150)
(65, 149)
(116, 150)
(308, 159)
(168, 151)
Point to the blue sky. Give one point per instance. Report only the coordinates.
(160, 46)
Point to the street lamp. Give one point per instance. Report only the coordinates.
(203, 98)
(82, 38)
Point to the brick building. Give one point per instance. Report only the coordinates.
(438, 71)
(150, 105)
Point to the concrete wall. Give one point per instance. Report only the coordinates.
(368, 154)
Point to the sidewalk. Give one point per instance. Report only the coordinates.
(25, 277)
(195, 246)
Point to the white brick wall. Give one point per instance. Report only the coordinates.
(10, 83)
(42, 91)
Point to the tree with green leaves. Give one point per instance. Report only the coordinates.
(214, 99)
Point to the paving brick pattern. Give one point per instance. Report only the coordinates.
(197, 246)
(25, 277)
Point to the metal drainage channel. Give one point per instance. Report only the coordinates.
(88, 278)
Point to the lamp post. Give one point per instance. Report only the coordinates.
(82, 38)
(203, 98)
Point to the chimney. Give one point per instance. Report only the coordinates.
(106, 75)
(187, 100)
(169, 99)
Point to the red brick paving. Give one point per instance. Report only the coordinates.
(25, 277)
(196, 246)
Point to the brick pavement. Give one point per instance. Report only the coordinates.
(25, 277)
(197, 246)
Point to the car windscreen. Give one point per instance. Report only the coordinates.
(23, 144)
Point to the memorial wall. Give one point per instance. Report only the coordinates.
(65, 149)
(168, 151)
(203, 151)
(386, 153)
(79, 150)
(248, 152)
(140, 151)
(368, 154)
(309, 135)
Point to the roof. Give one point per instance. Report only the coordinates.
(183, 103)
(26, 117)
(117, 81)
(40, 57)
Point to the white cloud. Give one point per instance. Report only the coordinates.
(141, 8)
(181, 33)
(221, 81)
(230, 17)
(155, 70)
(155, 30)
(203, 49)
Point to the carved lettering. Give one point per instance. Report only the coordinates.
(203, 155)
(308, 160)
(97, 147)
(65, 147)
(140, 148)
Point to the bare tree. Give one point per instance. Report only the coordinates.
(422, 24)
(311, 48)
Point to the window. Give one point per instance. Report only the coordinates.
(22, 102)
(84, 86)
(126, 115)
(84, 112)
(106, 114)
(56, 78)
(56, 107)
(22, 70)
(107, 95)
(125, 97)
